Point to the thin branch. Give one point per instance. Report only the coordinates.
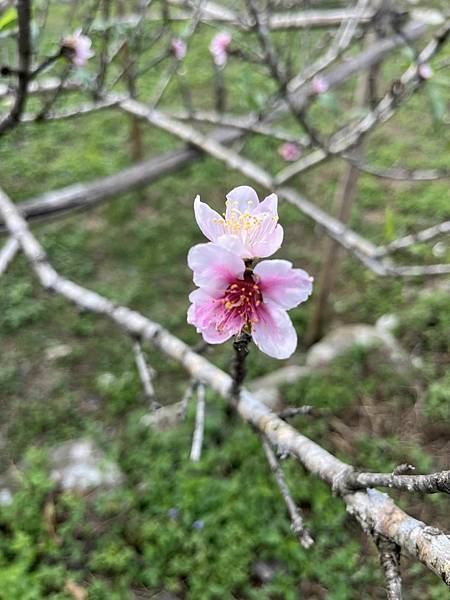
(424, 484)
(187, 396)
(145, 373)
(83, 196)
(414, 238)
(294, 411)
(244, 123)
(7, 253)
(197, 439)
(240, 346)
(390, 563)
(24, 53)
(360, 247)
(70, 113)
(297, 524)
(376, 512)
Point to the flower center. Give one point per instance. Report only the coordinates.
(239, 221)
(242, 299)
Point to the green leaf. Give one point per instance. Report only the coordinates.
(8, 18)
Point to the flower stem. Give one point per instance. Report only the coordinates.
(240, 346)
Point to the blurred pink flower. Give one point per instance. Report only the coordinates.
(253, 224)
(178, 48)
(289, 151)
(425, 71)
(319, 85)
(219, 48)
(231, 297)
(78, 48)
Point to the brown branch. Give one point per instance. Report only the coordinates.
(240, 346)
(297, 524)
(24, 53)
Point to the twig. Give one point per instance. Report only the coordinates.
(145, 375)
(293, 411)
(375, 511)
(244, 123)
(424, 484)
(24, 52)
(414, 238)
(240, 346)
(187, 396)
(297, 524)
(7, 253)
(390, 563)
(83, 196)
(197, 439)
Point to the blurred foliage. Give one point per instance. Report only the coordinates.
(130, 543)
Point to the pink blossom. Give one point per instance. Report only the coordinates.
(253, 224)
(77, 48)
(320, 85)
(231, 297)
(219, 48)
(425, 71)
(178, 48)
(289, 151)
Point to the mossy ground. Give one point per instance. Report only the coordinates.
(124, 544)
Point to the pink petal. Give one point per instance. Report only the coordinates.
(242, 198)
(274, 333)
(212, 336)
(209, 221)
(268, 245)
(282, 284)
(269, 205)
(214, 267)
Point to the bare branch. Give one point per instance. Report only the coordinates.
(24, 53)
(197, 439)
(424, 484)
(297, 524)
(414, 238)
(390, 563)
(82, 196)
(145, 373)
(7, 253)
(376, 512)
(294, 411)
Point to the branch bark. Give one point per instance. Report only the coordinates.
(375, 511)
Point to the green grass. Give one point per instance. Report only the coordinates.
(133, 250)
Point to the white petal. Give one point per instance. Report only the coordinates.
(209, 221)
(243, 198)
(274, 333)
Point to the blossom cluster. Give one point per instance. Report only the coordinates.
(234, 294)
